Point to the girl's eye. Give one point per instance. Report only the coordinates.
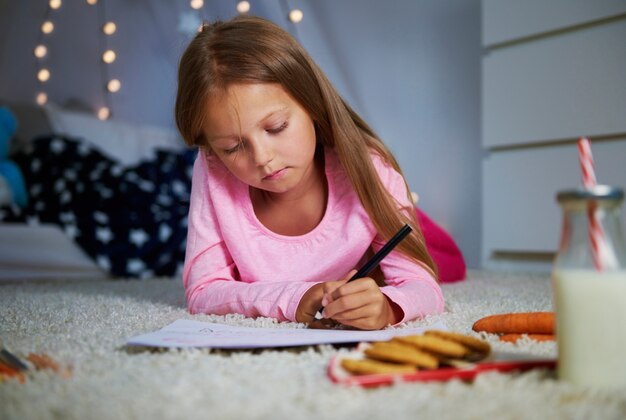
(232, 149)
(277, 129)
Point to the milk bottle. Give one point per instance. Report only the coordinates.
(589, 285)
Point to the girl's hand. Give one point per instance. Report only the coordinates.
(308, 307)
(311, 303)
(359, 304)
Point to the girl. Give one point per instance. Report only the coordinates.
(291, 190)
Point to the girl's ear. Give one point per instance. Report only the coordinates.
(415, 197)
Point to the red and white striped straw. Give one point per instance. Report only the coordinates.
(586, 163)
(596, 233)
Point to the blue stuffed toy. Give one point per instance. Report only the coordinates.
(12, 185)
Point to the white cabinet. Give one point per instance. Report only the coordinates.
(541, 91)
(512, 20)
(556, 88)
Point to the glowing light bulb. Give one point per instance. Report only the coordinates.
(296, 15)
(55, 4)
(43, 75)
(42, 98)
(196, 4)
(243, 6)
(40, 51)
(92, 2)
(47, 27)
(114, 85)
(109, 28)
(104, 113)
(108, 56)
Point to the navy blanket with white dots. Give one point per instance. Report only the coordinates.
(132, 221)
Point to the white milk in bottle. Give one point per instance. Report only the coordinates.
(591, 325)
(589, 285)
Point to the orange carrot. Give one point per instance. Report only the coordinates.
(512, 338)
(9, 372)
(517, 323)
(43, 361)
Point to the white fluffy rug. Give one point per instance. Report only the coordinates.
(85, 324)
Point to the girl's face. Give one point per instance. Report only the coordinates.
(262, 135)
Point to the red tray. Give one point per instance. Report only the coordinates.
(499, 362)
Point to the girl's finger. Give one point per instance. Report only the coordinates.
(350, 274)
(351, 315)
(350, 302)
(331, 286)
(363, 323)
(357, 286)
(367, 317)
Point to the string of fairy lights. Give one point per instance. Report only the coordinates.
(111, 85)
(107, 55)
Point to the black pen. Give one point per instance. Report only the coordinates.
(7, 358)
(378, 257)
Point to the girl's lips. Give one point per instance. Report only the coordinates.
(275, 175)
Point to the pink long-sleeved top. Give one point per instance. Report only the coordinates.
(234, 264)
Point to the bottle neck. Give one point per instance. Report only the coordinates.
(592, 235)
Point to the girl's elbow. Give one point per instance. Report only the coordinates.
(193, 304)
(192, 307)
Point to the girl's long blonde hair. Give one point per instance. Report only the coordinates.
(249, 49)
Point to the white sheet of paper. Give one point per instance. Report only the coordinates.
(187, 333)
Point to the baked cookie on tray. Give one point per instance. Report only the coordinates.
(433, 356)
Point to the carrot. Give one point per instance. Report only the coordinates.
(517, 323)
(512, 338)
(43, 361)
(9, 372)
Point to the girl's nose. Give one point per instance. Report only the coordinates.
(262, 153)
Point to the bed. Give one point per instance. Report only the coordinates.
(40, 250)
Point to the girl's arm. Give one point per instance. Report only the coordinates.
(212, 287)
(210, 277)
(410, 292)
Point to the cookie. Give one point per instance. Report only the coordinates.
(400, 353)
(475, 344)
(437, 346)
(375, 367)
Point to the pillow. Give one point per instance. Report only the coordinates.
(32, 122)
(125, 142)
